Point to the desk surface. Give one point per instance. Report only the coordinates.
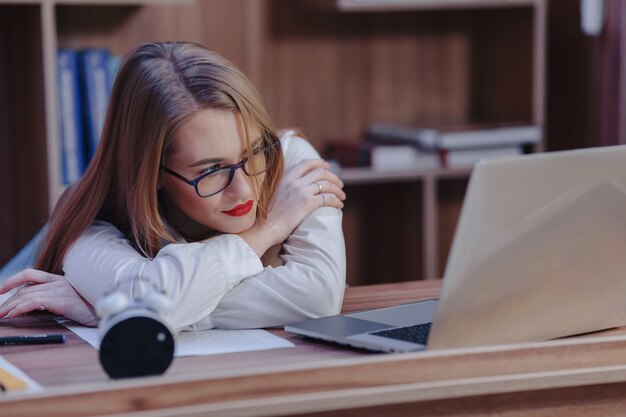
(575, 376)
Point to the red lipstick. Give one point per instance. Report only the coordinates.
(241, 209)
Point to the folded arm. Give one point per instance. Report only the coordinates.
(221, 282)
(310, 283)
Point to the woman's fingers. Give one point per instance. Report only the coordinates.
(32, 295)
(303, 168)
(316, 171)
(330, 178)
(326, 187)
(27, 276)
(306, 187)
(36, 283)
(320, 173)
(330, 200)
(25, 307)
(25, 295)
(323, 187)
(57, 297)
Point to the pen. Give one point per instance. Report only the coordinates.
(32, 339)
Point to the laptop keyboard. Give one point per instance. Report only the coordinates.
(415, 334)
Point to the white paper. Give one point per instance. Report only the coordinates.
(7, 366)
(201, 342)
(211, 342)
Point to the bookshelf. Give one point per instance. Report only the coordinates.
(495, 88)
(406, 5)
(31, 31)
(428, 228)
(324, 66)
(57, 31)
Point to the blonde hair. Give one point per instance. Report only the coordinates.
(158, 87)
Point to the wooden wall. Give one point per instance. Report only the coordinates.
(23, 168)
(331, 74)
(586, 78)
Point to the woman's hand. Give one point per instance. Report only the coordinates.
(44, 291)
(306, 187)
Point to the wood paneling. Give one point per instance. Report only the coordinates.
(450, 200)
(23, 166)
(331, 74)
(334, 73)
(586, 84)
(382, 227)
(502, 65)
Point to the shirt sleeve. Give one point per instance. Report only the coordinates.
(221, 282)
(311, 281)
(195, 275)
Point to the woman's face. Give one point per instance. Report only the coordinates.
(209, 139)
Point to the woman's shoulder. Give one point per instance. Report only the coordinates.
(101, 231)
(295, 147)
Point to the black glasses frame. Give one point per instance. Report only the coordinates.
(241, 164)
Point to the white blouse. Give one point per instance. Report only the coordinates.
(221, 282)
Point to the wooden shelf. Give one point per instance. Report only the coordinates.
(23, 156)
(96, 2)
(330, 73)
(30, 156)
(428, 195)
(49, 43)
(412, 5)
(366, 176)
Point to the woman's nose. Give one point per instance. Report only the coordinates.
(240, 185)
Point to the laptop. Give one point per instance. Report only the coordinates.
(539, 253)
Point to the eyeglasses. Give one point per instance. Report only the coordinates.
(217, 180)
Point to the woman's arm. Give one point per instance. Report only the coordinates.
(40, 290)
(197, 276)
(194, 275)
(311, 281)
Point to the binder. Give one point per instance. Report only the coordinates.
(95, 85)
(70, 116)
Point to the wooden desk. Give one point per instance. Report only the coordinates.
(577, 376)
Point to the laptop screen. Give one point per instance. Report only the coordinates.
(538, 252)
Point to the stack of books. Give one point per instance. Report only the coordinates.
(84, 80)
(395, 146)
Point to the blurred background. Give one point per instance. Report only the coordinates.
(334, 69)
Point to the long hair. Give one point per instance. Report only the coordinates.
(159, 86)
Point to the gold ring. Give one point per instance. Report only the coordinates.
(319, 186)
(324, 198)
(42, 306)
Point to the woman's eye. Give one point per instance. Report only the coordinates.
(209, 169)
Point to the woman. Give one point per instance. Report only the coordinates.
(187, 193)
